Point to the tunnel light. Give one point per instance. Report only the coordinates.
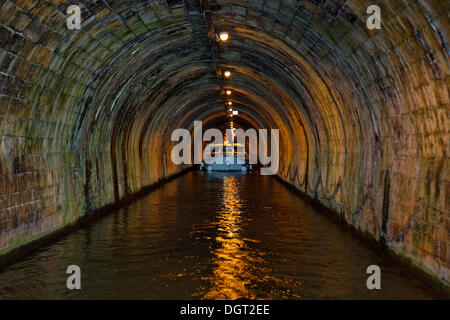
(227, 74)
(224, 36)
(230, 103)
(230, 110)
(235, 112)
(228, 92)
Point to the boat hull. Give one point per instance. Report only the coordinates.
(226, 167)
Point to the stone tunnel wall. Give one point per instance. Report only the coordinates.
(393, 186)
(54, 167)
(86, 116)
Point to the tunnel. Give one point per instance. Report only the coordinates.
(86, 115)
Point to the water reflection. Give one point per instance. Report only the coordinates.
(209, 236)
(233, 272)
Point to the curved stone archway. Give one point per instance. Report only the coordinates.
(86, 115)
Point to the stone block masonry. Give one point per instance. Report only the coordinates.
(86, 115)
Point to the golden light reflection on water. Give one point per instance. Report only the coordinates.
(234, 270)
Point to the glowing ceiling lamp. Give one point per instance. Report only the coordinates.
(227, 74)
(224, 36)
(228, 92)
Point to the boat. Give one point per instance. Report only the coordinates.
(233, 158)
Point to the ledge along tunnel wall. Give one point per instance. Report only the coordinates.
(86, 115)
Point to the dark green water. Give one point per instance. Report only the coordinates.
(211, 236)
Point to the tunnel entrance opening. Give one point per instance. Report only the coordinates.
(254, 147)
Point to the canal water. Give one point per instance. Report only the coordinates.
(211, 236)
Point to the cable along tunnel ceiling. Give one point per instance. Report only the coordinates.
(87, 115)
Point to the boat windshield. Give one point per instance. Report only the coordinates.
(227, 149)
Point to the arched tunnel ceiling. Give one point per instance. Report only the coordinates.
(351, 103)
(304, 52)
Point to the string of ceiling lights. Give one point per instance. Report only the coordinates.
(222, 75)
(223, 37)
